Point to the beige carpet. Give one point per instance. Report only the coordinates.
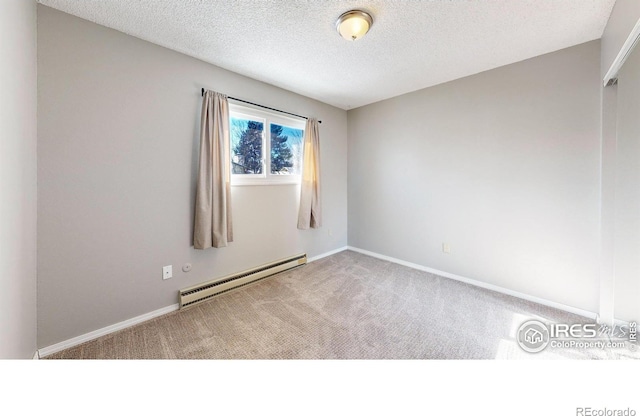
(346, 306)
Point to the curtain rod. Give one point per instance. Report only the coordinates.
(264, 106)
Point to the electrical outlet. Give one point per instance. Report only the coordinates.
(167, 272)
(446, 248)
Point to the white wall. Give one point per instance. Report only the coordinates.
(503, 166)
(623, 17)
(627, 192)
(118, 146)
(18, 124)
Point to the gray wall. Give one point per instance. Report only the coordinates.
(616, 287)
(18, 133)
(503, 166)
(118, 143)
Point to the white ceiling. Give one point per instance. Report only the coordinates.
(294, 44)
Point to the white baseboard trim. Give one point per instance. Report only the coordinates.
(327, 254)
(43, 352)
(620, 322)
(489, 286)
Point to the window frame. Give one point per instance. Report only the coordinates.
(267, 118)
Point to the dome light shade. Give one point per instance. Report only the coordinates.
(354, 24)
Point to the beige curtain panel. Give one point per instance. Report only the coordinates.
(213, 226)
(310, 214)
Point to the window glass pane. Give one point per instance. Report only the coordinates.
(286, 150)
(246, 146)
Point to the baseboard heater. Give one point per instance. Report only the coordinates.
(195, 294)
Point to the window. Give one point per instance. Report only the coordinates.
(266, 147)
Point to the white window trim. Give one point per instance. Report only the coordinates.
(268, 117)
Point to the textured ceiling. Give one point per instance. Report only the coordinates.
(294, 44)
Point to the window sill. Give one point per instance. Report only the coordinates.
(263, 182)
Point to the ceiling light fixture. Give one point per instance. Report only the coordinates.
(354, 24)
